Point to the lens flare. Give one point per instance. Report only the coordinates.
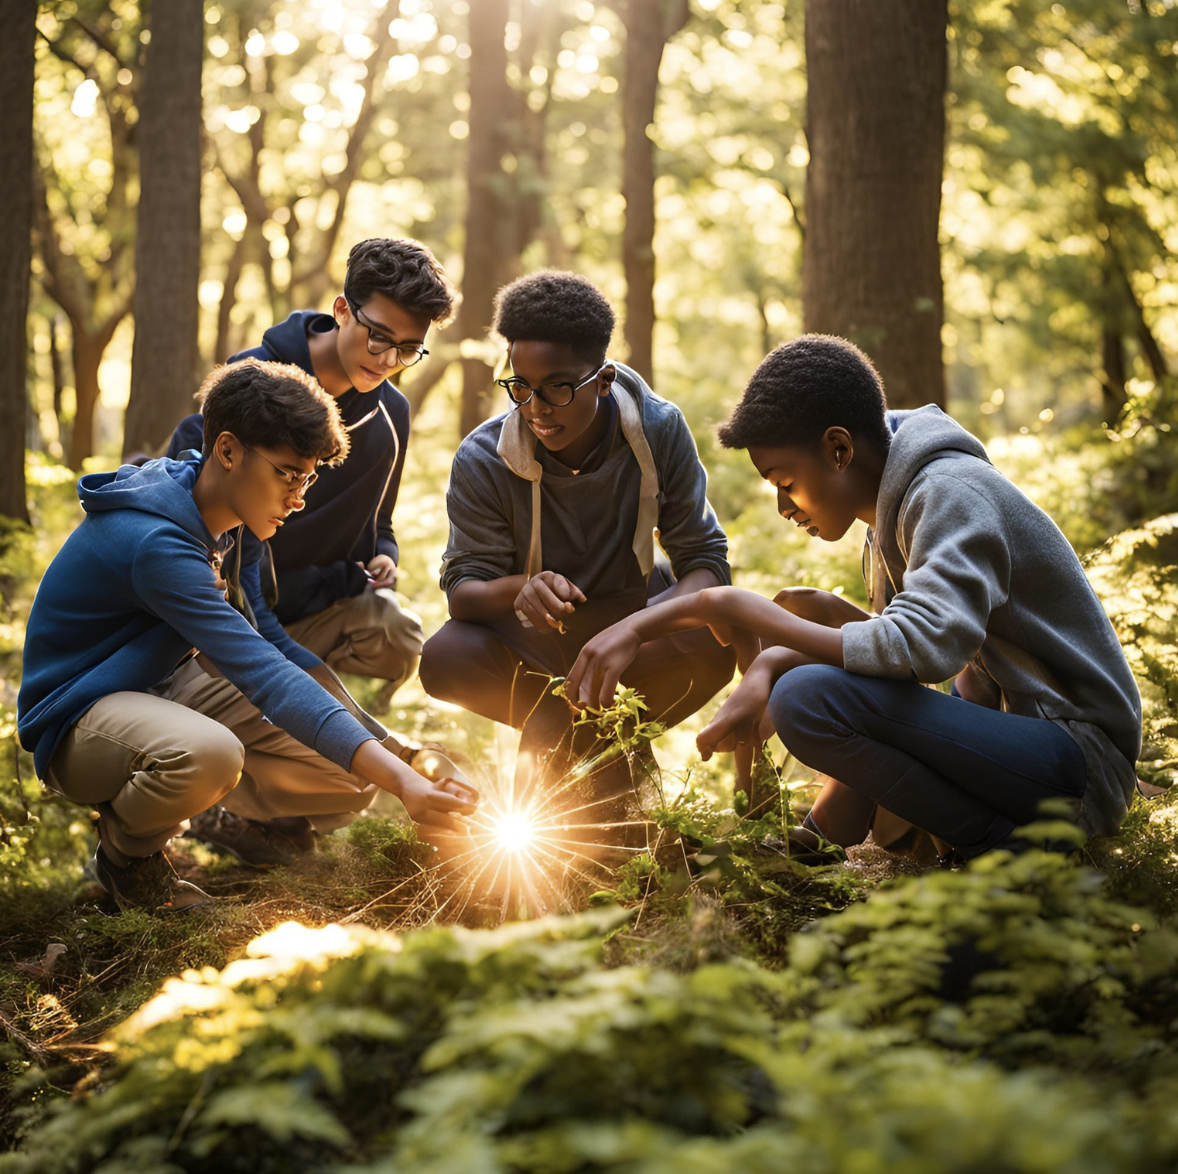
(514, 832)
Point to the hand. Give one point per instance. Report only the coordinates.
(382, 571)
(743, 717)
(546, 599)
(434, 807)
(601, 664)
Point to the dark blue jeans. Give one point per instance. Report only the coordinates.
(967, 774)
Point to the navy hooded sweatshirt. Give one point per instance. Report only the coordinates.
(130, 593)
(348, 516)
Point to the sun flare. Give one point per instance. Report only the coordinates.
(514, 832)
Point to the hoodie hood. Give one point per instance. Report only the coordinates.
(919, 436)
(162, 487)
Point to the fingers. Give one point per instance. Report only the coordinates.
(567, 590)
(464, 793)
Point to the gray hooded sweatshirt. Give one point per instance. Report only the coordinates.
(962, 568)
(588, 521)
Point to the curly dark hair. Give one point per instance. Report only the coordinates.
(803, 388)
(405, 271)
(264, 403)
(552, 305)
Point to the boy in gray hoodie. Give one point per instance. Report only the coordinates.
(553, 509)
(968, 581)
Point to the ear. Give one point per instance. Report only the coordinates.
(226, 450)
(607, 376)
(340, 310)
(838, 447)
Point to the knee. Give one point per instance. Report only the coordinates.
(218, 762)
(800, 704)
(445, 660)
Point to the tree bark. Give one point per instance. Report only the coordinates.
(16, 221)
(484, 259)
(875, 111)
(165, 355)
(649, 25)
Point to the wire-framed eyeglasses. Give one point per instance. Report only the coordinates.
(379, 343)
(557, 395)
(299, 482)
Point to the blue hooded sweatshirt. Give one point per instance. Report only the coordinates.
(130, 593)
(348, 517)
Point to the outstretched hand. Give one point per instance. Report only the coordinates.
(592, 680)
(546, 599)
(436, 806)
(743, 717)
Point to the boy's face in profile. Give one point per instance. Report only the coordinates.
(266, 485)
(381, 322)
(814, 490)
(574, 429)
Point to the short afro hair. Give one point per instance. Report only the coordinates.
(556, 306)
(264, 403)
(803, 388)
(405, 271)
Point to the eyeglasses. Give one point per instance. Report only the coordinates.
(557, 395)
(408, 353)
(299, 482)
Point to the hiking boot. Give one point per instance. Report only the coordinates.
(260, 843)
(146, 882)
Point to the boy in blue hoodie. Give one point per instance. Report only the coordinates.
(328, 575)
(135, 591)
(553, 509)
(968, 581)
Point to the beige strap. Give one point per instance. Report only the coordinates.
(517, 447)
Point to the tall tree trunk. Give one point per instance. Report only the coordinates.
(649, 25)
(86, 353)
(167, 250)
(16, 222)
(871, 268)
(1113, 396)
(484, 260)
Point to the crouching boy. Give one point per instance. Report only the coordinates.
(968, 580)
(135, 591)
(553, 508)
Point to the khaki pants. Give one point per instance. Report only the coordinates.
(147, 764)
(149, 761)
(369, 634)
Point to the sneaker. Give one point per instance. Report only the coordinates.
(146, 882)
(259, 843)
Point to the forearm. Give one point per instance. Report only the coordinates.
(374, 764)
(734, 607)
(481, 600)
(821, 607)
(691, 583)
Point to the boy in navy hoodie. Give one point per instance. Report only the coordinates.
(135, 590)
(968, 580)
(553, 509)
(328, 575)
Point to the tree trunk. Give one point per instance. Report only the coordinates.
(484, 260)
(649, 25)
(164, 360)
(86, 353)
(1113, 396)
(16, 222)
(871, 268)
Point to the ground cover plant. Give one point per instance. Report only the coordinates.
(724, 1005)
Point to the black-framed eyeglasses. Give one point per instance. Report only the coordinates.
(556, 395)
(379, 343)
(299, 482)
